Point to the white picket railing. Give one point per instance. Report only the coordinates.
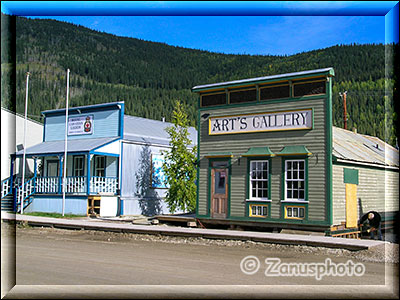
(29, 189)
(5, 187)
(75, 185)
(47, 185)
(103, 184)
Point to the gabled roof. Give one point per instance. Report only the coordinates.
(359, 148)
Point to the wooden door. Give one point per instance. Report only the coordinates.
(219, 193)
(351, 205)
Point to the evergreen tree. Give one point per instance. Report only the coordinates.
(179, 164)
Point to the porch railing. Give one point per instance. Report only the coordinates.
(75, 185)
(103, 184)
(5, 187)
(29, 189)
(47, 185)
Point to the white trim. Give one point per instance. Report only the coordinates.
(261, 200)
(295, 201)
(295, 180)
(266, 180)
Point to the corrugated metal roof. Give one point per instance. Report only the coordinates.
(144, 130)
(55, 147)
(248, 80)
(355, 147)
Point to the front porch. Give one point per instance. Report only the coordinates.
(89, 172)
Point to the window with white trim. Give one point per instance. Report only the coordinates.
(295, 179)
(259, 179)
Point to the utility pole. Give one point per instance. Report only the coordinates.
(343, 96)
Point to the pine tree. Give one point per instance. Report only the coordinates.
(179, 164)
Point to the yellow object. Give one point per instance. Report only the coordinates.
(351, 205)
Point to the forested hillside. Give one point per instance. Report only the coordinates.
(149, 76)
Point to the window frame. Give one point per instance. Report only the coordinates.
(297, 207)
(250, 213)
(74, 165)
(96, 168)
(261, 159)
(284, 179)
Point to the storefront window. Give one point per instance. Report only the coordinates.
(259, 179)
(295, 180)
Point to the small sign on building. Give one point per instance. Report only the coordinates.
(80, 125)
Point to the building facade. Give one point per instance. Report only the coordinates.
(266, 153)
(110, 155)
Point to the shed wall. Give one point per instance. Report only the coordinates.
(377, 190)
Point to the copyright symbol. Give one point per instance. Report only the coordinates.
(250, 265)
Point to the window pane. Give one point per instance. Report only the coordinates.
(295, 165)
(264, 210)
(301, 186)
(289, 194)
(254, 193)
(301, 163)
(289, 175)
(301, 212)
(265, 194)
(295, 194)
(301, 194)
(295, 185)
(259, 210)
(253, 210)
(301, 175)
(289, 165)
(289, 211)
(294, 174)
(295, 212)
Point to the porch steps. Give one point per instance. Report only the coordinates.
(7, 203)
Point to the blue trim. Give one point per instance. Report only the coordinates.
(88, 174)
(104, 154)
(121, 120)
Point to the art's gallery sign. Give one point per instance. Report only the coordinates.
(80, 125)
(260, 122)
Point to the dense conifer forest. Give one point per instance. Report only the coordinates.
(150, 76)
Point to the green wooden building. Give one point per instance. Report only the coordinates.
(267, 156)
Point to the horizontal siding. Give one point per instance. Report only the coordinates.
(238, 144)
(377, 190)
(105, 124)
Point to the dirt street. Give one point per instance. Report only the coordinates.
(46, 256)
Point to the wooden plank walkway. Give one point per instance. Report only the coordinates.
(265, 237)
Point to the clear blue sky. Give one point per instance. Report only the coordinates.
(238, 27)
(276, 35)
